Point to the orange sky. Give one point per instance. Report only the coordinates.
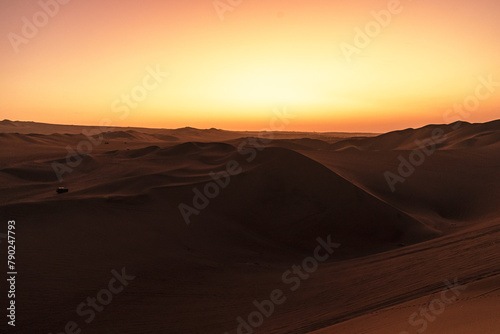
(233, 73)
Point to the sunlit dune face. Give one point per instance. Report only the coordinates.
(230, 73)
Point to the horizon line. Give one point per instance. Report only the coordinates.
(261, 130)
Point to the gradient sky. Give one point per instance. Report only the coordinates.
(265, 54)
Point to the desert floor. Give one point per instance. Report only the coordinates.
(395, 255)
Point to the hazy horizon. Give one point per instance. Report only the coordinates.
(237, 130)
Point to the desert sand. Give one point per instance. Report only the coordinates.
(200, 272)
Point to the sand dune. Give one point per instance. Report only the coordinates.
(458, 135)
(471, 312)
(122, 210)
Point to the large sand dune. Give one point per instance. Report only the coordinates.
(270, 203)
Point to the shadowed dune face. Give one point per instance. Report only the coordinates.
(291, 199)
(122, 209)
(281, 196)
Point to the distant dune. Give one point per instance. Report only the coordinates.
(397, 247)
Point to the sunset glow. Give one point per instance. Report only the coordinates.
(228, 68)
